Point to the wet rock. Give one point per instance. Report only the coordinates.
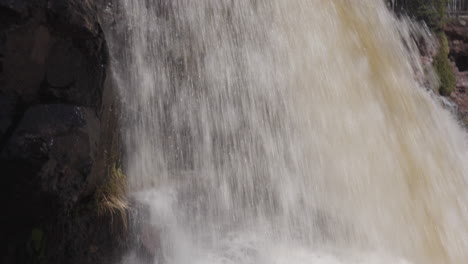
(39, 66)
(72, 77)
(457, 33)
(26, 52)
(17, 6)
(146, 235)
(76, 17)
(7, 114)
(43, 142)
(54, 128)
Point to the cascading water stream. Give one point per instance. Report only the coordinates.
(285, 131)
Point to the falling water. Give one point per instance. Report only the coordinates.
(285, 131)
(453, 5)
(457, 5)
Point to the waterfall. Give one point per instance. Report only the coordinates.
(457, 5)
(285, 131)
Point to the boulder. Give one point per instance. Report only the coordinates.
(55, 131)
(57, 143)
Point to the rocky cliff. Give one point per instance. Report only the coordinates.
(57, 133)
(457, 34)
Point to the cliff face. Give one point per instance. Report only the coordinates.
(57, 121)
(457, 34)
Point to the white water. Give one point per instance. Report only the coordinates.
(285, 131)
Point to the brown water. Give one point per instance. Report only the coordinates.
(286, 131)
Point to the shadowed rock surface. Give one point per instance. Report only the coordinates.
(457, 34)
(57, 133)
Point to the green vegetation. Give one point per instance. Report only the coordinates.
(36, 246)
(434, 14)
(443, 68)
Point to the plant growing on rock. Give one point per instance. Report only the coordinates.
(111, 195)
(443, 68)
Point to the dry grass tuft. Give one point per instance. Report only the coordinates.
(111, 197)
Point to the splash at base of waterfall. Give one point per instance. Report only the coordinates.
(259, 245)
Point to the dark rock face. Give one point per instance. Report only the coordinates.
(17, 6)
(457, 34)
(53, 130)
(57, 143)
(56, 63)
(76, 17)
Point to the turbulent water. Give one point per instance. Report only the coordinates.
(285, 131)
